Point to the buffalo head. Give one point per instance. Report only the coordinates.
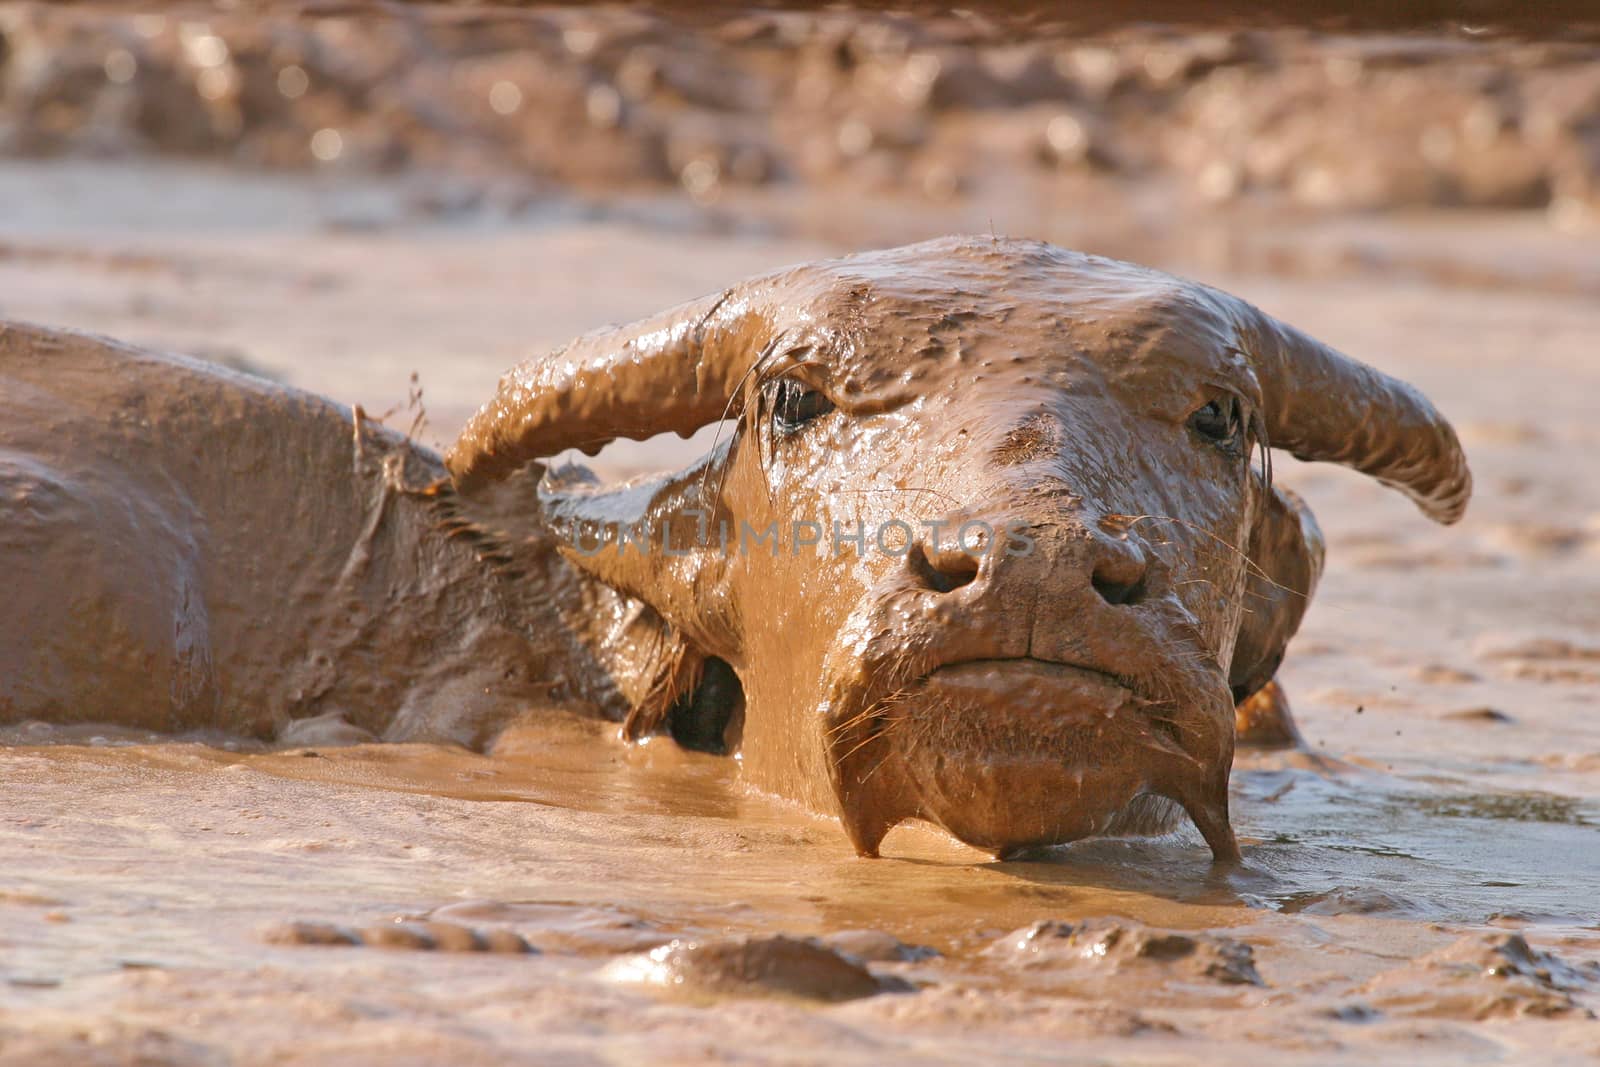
(993, 542)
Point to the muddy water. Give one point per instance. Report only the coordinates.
(1326, 836)
(150, 887)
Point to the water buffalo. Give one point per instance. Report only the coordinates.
(988, 543)
(192, 549)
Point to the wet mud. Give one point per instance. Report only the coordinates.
(379, 894)
(771, 966)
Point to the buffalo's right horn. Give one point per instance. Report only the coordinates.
(677, 371)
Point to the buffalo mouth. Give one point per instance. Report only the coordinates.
(1014, 753)
(1024, 690)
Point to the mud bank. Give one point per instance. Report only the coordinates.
(941, 109)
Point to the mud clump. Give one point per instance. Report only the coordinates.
(754, 966)
(1096, 947)
(931, 107)
(1492, 976)
(416, 936)
(875, 946)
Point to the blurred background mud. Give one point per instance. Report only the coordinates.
(935, 107)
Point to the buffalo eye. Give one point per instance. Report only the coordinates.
(794, 404)
(1220, 422)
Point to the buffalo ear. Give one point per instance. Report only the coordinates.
(658, 540)
(1286, 551)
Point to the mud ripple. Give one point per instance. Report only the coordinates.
(1106, 945)
(415, 936)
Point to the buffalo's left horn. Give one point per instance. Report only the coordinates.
(1323, 405)
(677, 371)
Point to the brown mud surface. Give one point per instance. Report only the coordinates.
(1423, 886)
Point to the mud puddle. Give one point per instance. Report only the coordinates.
(1321, 836)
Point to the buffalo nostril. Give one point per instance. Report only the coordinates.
(1119, 578)
(944, 570)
